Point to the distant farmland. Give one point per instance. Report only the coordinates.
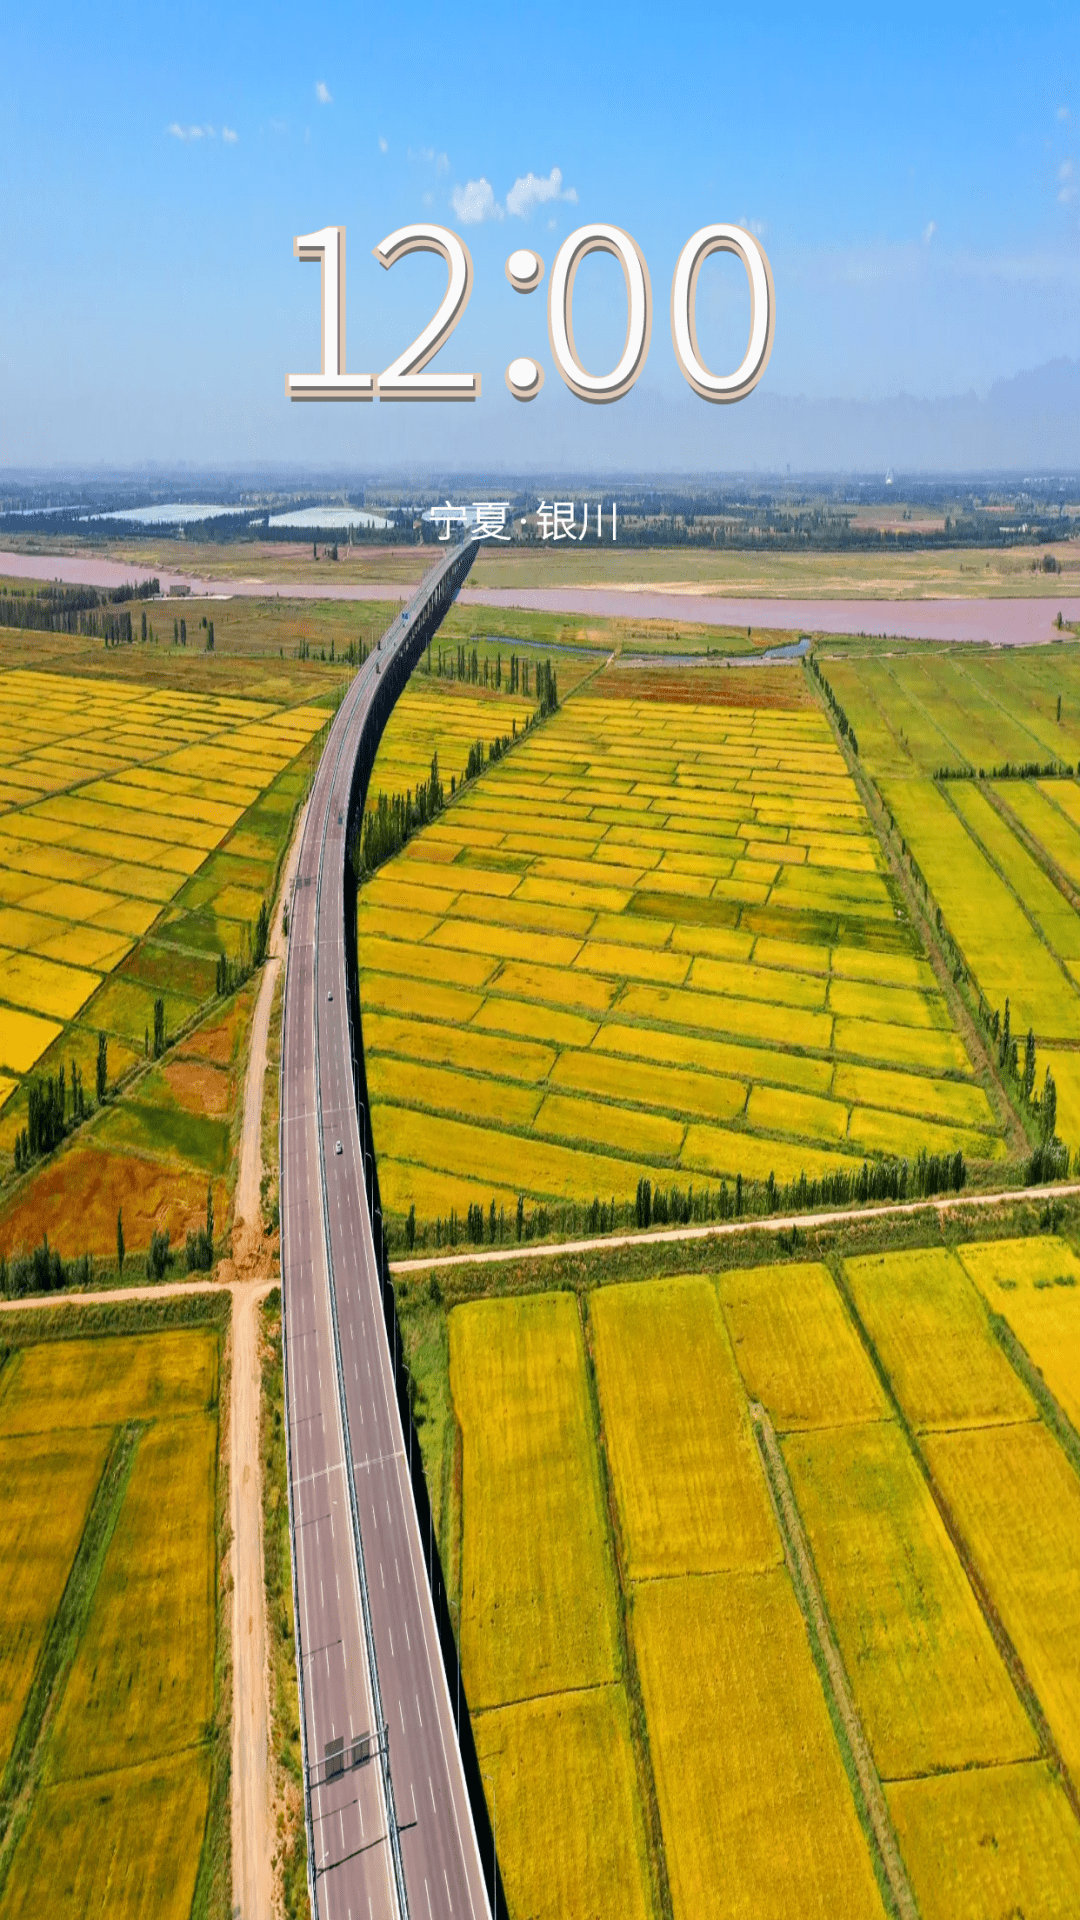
(1000, 856)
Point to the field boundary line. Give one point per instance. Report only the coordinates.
(718, 1229)
(804, 1578)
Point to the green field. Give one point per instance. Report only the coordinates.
(1000, 856)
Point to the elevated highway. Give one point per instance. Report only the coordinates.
(392, 1829)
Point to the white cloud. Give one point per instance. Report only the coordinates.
(475, 201)
(928, 232)
(230, 136)
(531, 190)
(323, 94)
(1063, 113)
(1067, 189)
(384, 144)
(430, 158)
(190, 133)
(428, 199)
(753, 226)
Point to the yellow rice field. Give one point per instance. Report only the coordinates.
(571, 1833)
(930, 1686)
(121, 794)
(621, 884)
(48, 1481)
(998, 1841)
(1033, 1285)
(537, 1608)
(744, 1807)
(685, 1466)
(117, 1808)
(796, 1348)
(930, 1332)
(1016, 1500)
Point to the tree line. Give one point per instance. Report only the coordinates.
(847, 731)
(655, 1205)
(58, 609)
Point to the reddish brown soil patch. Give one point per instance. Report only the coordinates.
(74, 1199)
(780, 687)
(221, 1037)
(199, 1087)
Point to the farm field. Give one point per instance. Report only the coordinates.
(150, 1154)
(894, 574)
(539, 1643)
(681, 915)
(752, 1789)
(140, 831)
(113, 1784)
(1000, 856)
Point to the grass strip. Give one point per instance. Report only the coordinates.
(290, 1858)
(57, 1655)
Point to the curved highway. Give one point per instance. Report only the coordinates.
(390, 1827)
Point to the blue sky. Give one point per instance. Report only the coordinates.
(914, 178)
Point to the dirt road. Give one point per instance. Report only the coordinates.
(248, 1182)
(252, 1810)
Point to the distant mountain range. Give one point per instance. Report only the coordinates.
(1029, 424)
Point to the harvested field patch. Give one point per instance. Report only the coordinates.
(198, 1087)
(75, 1197)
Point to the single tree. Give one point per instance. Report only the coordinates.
(159, 1027)
(1048, 1108)
(1029, 1065)
(410, 1229)
(102, 1066)
(120, 1239)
